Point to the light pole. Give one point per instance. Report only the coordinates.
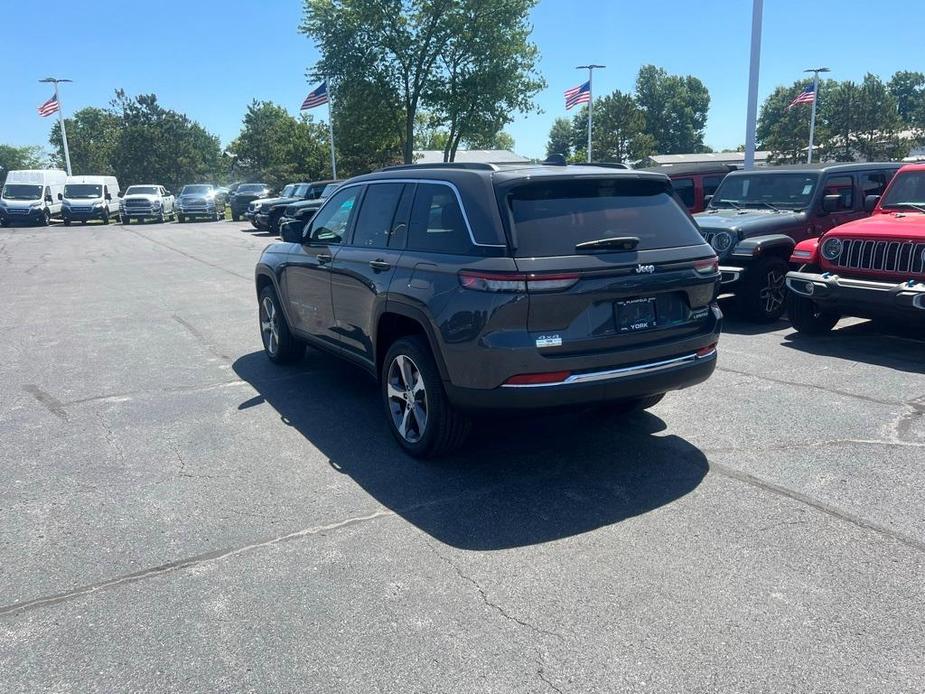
(590, 69)
(752, 110)
(812, 117)
(67, 154)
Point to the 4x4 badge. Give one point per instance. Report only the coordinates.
(645, 268)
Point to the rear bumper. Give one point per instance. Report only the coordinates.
(855, 297)
(602, 385)
(262, 220)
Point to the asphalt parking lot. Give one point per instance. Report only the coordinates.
(177, 514)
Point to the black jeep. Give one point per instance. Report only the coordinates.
(466, 287)
(755, 219)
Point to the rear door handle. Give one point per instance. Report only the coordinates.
(379, 264)
(324, 258)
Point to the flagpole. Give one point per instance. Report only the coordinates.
(590, 69)
(812, 118)
(67, 154)
(751, 114)
(331, 127)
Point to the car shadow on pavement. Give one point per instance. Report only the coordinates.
(898, 346)
(518, 482)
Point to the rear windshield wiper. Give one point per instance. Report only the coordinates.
(622, 243)
(730, 203)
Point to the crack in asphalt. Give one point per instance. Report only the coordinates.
(190, 256)
(828, 509)
(201, 338)
(189, 562)
(812, 386)
(111, 438)
(485, 599)
(546, 681)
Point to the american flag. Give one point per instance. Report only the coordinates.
(49, 107)
(807, 96)
(316, 98)
(578, 95)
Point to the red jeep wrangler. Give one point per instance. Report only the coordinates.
(874, 267)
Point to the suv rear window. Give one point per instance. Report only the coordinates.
(551, 217)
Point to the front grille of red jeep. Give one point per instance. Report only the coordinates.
(893, 257)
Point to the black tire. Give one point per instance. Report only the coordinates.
(444, 427)
(126, 219)
(235, 217)
(46, 218)
(105, 218)
(181, 218)
(67, 222)
(763, 295)
(161, 218)
(634, 405)
(807, 317)
(279, 344)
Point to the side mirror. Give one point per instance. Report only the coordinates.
(60, 197)
(870, 202)
(109, 196)
(292, 232)
(706, 200)
(48, 198)
(831, 203)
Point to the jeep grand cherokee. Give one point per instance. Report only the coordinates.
(472, 286)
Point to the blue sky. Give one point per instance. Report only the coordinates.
(209, 58)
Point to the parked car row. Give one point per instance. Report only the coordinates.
(38, 196)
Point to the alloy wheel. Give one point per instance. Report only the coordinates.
(269, 325)
(407, 398)
(773, 294)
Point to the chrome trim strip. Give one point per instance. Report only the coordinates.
(435, 181)
(612, 374)
(733, 272)
(798, 291)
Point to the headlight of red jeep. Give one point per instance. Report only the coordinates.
(831, 249)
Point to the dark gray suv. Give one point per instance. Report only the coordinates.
(478, 287)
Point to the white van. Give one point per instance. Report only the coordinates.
(32, 196)
(90, 197)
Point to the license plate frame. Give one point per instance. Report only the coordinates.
(635, 315)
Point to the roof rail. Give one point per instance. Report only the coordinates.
(472, 166)
(607, 164)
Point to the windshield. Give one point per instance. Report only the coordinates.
(142, 190)
(17, 191)
(287, 191)
(907, 192)
(251, 188)
(328, 190)
(788, 190)
(301, 190)
(86, 191)
(196, 190)
(552, 217)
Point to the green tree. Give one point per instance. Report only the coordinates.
(618, 129)
(158, 145)
(908, 89)
(561, 138)
(877, 123)
(488, 71)
(784, 131)
(435, 55)
(18, 158)
(279, 148)
(92, 138)
(367, 127)
(499, 140)
(675, 109)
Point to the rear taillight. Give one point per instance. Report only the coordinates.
(707, 267)
(516, 281)
(538, 379)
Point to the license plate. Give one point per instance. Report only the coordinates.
(635, 314)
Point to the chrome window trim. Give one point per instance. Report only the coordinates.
(450, 185)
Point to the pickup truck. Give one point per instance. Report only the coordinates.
(149, 201)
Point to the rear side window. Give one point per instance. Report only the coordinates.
(874, 182)
(374, 221)
(437, 222)
(684, 187)
(551, 217)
